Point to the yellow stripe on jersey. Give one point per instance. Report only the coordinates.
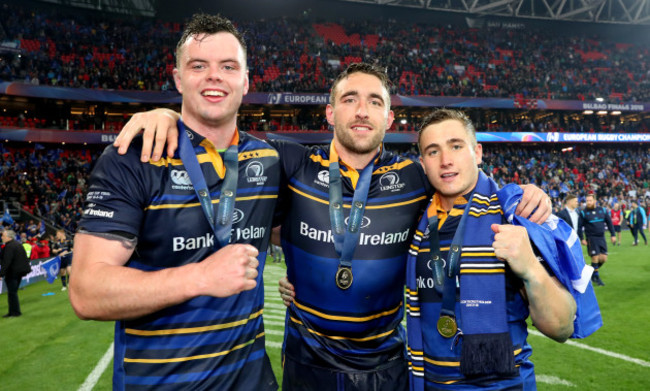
(215, 201)
(347, 206)
(483, 271)
(394, 166)
(346, 318)
(205, 157)
(340, 337)
(483, 254)
(191, 330)
(190, 358)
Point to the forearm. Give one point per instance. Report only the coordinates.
(102, 291)
(552, 308)
(105, 289)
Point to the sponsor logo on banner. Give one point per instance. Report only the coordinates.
(274, 99)
(553, 137)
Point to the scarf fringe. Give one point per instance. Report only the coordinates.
(487, 354)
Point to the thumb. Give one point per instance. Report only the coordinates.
(496, 228)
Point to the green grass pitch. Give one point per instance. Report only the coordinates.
(48, 348)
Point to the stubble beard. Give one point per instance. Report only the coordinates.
(348, 141)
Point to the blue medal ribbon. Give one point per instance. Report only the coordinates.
(346, 239)
(453, 265)
(222, 225)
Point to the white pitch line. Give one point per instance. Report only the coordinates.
(274, 332)
(94, 376)
(599, 350)
(553, 380)
(274, 317)
(271, 344)
(275, 306)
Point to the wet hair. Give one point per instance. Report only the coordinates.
(209, 25)
(362, 67)
(440, 115)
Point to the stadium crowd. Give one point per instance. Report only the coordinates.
(49, 184)
(296, 55)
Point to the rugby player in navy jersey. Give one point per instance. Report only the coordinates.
(467, 319)
(188, 305)
(344, 325)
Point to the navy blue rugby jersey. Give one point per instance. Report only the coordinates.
(439, 362)
(207, 342)
(595, 221)
(358, 328)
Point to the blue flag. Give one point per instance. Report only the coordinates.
(41, 231)
(51, 268)
(7, 217)
(62, 195)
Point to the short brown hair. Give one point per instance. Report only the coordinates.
(362, 67)
(209, 25)
(439, 115)
(569, 197)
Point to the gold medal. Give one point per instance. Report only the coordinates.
(344, 277)
(447, 326)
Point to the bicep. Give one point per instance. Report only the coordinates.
(100, 249)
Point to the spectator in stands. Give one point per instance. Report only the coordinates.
(26, 244)
(292, 55)
(40, 250)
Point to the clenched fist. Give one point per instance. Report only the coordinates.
(229, 271)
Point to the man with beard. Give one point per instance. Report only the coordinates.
(348, 211)
(595, 219)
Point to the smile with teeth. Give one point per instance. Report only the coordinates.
(361, 128)
(449, 175)
(213, 93)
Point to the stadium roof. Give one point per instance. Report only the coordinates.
(594, 11)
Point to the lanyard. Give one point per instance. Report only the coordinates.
(448, 327)
(346, 240)
(222, 225)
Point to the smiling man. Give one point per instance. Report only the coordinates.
(181, 278)
(347, 214)
(473, 278)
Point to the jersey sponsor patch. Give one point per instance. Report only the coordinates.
(91, 211)
(255, 173)
(323, 178)
(390, 182)
(181, 180)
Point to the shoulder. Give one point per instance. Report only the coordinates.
(249, 141)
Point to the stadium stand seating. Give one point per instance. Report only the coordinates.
(291, 55)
